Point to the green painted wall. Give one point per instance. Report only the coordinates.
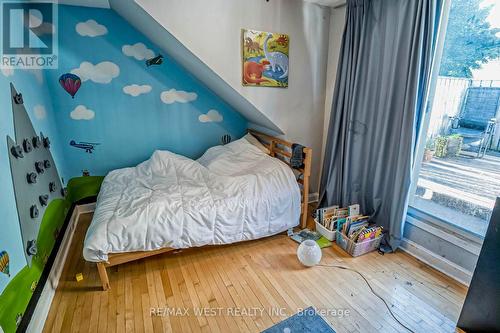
(17, 294)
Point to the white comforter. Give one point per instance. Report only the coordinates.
(232, 193)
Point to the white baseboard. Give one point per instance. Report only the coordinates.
(437, 262)
(313, 197)
(42, 308)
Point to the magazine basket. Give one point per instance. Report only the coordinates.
(328, 234)
(357, 249)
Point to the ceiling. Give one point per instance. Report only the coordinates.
(105, 3)
(86, 3)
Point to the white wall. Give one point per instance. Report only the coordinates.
(212, 31)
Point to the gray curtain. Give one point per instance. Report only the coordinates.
(382, 78)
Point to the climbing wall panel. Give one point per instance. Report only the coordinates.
(34, 174)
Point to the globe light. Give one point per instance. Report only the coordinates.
(309, 253)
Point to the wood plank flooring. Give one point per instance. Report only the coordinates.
(251, 286)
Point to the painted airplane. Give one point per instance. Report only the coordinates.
(87, 146)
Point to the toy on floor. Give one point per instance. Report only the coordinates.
(79, 277)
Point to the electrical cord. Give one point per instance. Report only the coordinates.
(373, 292)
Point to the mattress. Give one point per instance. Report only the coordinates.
(232, 193)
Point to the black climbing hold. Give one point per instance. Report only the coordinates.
(44, 199)
(37, 142)
(31, 178)
(52, 187)
(17, 151)
(46, 164)
(18, 98)
(46, 142)
(31, 248)
(64, 192)
(39, 167)
(27, 145)
(34, 211)
(225, 139)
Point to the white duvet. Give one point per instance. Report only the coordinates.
(232, 193)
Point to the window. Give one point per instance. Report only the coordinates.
(459, 173)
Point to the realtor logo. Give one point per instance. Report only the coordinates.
(29, 35)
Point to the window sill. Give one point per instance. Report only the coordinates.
(464, 239)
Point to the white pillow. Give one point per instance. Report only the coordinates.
(254, 141)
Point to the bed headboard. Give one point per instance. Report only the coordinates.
(281, 149)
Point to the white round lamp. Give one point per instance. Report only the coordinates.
(309, 253)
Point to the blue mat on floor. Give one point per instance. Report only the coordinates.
(305, 321)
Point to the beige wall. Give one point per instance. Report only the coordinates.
(211, 30)
(337, 22)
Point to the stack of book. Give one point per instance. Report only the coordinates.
(332, 217)
(357, 229)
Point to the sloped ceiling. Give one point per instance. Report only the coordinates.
(146, 24)
(86, 3)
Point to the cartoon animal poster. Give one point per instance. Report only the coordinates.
(265, 58)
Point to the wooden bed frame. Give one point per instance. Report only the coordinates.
(278, 148)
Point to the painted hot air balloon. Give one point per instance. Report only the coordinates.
(4, 262)
(71, 83)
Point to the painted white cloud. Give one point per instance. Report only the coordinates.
(136, 89)
(102, 72)
(179, 96)
(39, 111)
(139, 51)
(82, 113)
(7, 72)
(91, 28)
(211, 116)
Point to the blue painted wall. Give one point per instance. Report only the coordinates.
(128, 128)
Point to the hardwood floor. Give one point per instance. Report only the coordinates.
(237, 281)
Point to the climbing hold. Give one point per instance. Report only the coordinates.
(18, 98)
(27, 145)
(31, 248)
(31, 178)
(34, 211)
(64, 192)
(17, 151)
(19, 318)
(39, 167)
(46, 142)
(33, 286)
(225, 139)
(44, 199)
(37, 143)
(46, 164)
(52, 187)
(79, 277)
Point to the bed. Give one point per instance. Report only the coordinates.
(241, 191)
